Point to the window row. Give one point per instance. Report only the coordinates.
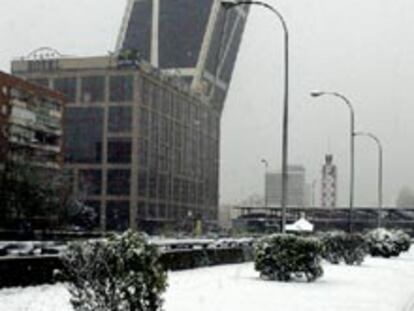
(92, 89)
(118, 213)
(150, 185)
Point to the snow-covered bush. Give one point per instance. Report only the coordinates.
(402, 240)
(121, 273)
(339, 247)
(284, 256)
(385, 243)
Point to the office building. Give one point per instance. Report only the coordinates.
(296, 187)
(143, 125)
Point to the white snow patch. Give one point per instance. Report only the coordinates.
(378, 285)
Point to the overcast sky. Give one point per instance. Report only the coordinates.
(364, 49)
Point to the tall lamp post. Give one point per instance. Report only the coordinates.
(380, 170)
(228, 4)
(266, 165)
(352, 149)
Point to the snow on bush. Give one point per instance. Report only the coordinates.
(283, 257)
(339, 247)
(385, 243)
(402, 240)
(120, 273)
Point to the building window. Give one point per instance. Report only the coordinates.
(152, 185)
(142, 210)
(162, 187)
(144, 122)
(90, 182)
(118, 182)
(83, 134)
(121, 88)
(152, 211)
(117, 215)
(143, 152)
(146, 91)
(155, 102)
(93, 89)
(120, 119)
(142, 183)
(68, 87)
(119, 150)
(162, 209)
(95, 221)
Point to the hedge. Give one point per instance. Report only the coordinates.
(340, 247)
(385, 243)
(284, 257)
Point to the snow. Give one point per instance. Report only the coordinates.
(378, 285)
(39, 298)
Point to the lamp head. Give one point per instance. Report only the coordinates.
(227, 4)
(316, 93)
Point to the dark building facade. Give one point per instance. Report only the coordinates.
(192, 39)
(143, 133)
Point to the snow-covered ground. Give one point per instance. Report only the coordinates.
(377, 285)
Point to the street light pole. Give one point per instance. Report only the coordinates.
(285, 134)
(380, 170)
(352, 150)
(266, 164)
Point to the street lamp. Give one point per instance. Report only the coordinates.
(380, 161)
(228, 4)
(352, 148)
(266, 164)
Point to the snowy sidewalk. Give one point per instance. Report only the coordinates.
(377, 285)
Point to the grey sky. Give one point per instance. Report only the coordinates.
(364, 49)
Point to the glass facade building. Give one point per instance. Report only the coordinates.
(195, 40)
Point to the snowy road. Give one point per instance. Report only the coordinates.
(377, 285)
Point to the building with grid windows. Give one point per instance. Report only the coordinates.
(142, 151)
(329, 183)
(142, 126)
(30, 124)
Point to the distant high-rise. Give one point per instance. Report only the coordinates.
(196, 40)
(329, 183)
(296, 187)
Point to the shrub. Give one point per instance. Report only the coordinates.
(385, 243)
(339, 247)
(120, 273)
(402, 240)
(282, 257)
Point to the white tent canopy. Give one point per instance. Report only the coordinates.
(302, 225)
